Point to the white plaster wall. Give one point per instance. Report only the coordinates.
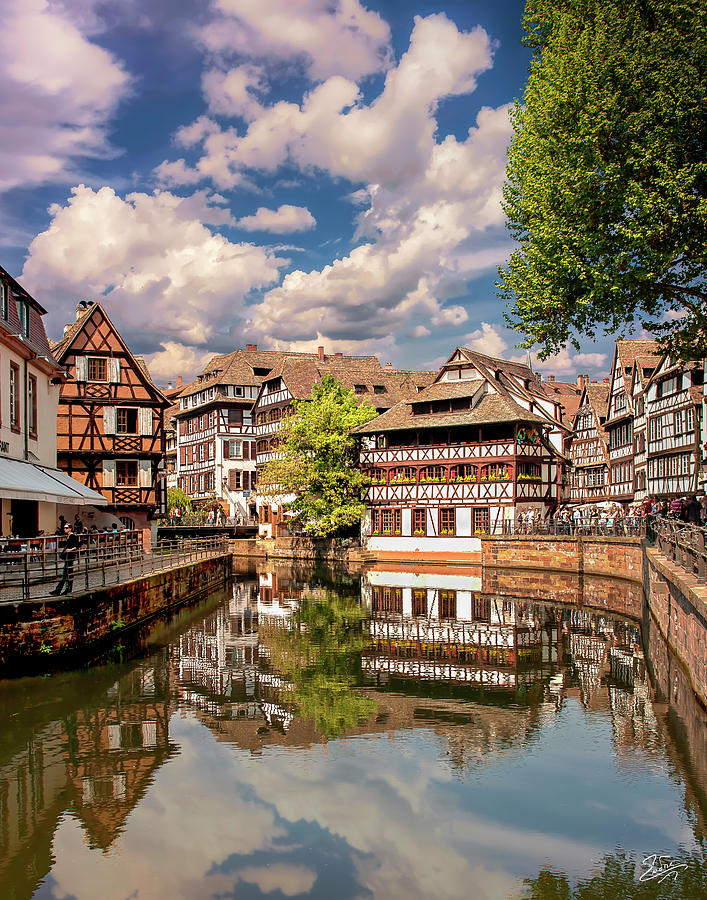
(407, 521)
(464, 605)
(428, 544)
(463, 521)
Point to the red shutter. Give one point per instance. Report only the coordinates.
(252, 449)
(232, 480)
(246, 449)
(226, 448)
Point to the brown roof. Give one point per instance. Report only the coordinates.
(37, 339)
(491, 408)
(598, 397)
(629, 351)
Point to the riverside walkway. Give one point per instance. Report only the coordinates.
(30, 570)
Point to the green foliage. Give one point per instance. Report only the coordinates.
(320, 655)
(607, 174)
(176, 498)
(318, 460)
(619, 879)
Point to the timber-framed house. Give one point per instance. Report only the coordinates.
(589, 451)
(673, 411)
(294, 379)
(110, 423)
(462, 457)
(642, 372)
(619, 423)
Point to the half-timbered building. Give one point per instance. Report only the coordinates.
(32, 491)
(294, 379)
(642, 371)
(620, 414)
(673, 412)
(461, 458)
(589, 451)
(110, 425)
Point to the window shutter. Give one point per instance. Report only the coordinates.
(108, 473)
(252, 449)
(80, 368)
(113, 370)
(232, 480)
(144, 473)
(246, 449)
(226, 449)
(145, 414)
(109, 417)
(246, 481)
(253, 476)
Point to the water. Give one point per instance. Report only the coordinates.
(307, 736)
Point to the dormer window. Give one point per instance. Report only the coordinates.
(4, 300)
(360, 388)
(23, 312)
(379, 389)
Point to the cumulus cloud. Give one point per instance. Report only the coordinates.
(494, 341)
(330, 38)
(176, 359)
(234, 92)
(387, 141)
(280, 221)
(162, 273)
(59, 90)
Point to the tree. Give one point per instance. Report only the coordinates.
(318, 457)
(607, 174)
(176, 498)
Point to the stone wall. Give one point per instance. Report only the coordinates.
(678, 604)
(35, 633)
(616, 557)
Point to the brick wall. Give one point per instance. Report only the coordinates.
(34, 634)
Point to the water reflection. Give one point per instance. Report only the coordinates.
(405, 734)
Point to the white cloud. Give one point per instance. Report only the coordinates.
(234, 92)
(58, 90)
(176, 359)
(487, 339)
(161, 271)
(331, 38)
(283, 220)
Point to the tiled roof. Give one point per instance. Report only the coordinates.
(140, 360)
(37, 339)
(491, 408)
(628, 352)
(598, 396)
(445, 390)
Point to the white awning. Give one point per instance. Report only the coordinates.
(25, 481)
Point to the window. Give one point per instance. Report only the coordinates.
(23, 313)
(380, 442)
(360, 388)
(379, 389)
(32, 405)
(126, 420)
(481, 609)
(387, 599)
(433, 473)
(403, 475)
(391, 521)
(447, 604)
(419, 602)
(14, 397)
(619, 402)
(4, 300)
(481, 520)
(419, 521)
(126, 473)
(96, 368)
(447, 520)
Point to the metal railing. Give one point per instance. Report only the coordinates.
(685, 544)
(191, 520)
(38, 567)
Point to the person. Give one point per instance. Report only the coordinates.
(693, 511)
(78, 524)
(60, 527)
(68, 554)
(211, 517)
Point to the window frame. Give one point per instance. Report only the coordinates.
(96, 360)
(448, 521)
(123, 463)
(14, 385)
(124, 410)
(32, 406)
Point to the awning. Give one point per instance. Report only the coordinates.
(25, 481)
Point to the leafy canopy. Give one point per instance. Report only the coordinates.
(607, 174)
(177, 499)
(318, 457)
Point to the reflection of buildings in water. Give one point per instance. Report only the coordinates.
(439, 626)
(113, 750)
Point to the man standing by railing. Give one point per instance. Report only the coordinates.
(68, 554)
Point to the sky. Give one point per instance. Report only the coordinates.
(290, 173)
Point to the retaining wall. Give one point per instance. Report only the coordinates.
(35, 633)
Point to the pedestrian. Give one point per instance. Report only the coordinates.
(211, 517)
(693, 511)
(68, 554)
(78, 524)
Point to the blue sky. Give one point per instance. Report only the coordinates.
(282, 172)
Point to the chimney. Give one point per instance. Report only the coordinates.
(320, 353)
(179, 380)
(550, 377)
(169, 385)
(388, 366)
(251, 346)
(582, 380)
(605, 381)
(81, 308)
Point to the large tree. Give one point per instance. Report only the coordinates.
(607, 174)
(318, 459)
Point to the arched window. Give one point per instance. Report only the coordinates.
(262, 447)
(379, 476)
(496, 472)
(464, 472)
(433, 474)
(403, 475)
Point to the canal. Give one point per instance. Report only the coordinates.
(400, 734)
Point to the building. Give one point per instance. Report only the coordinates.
(619, 425)
(642, 371)
(462, 457)
(294, 379)
(589, 450)
(215, 432)
(32, 490)
(110, 426)
(674, 396)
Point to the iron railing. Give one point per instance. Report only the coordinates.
(30, 570)
(685, 544)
